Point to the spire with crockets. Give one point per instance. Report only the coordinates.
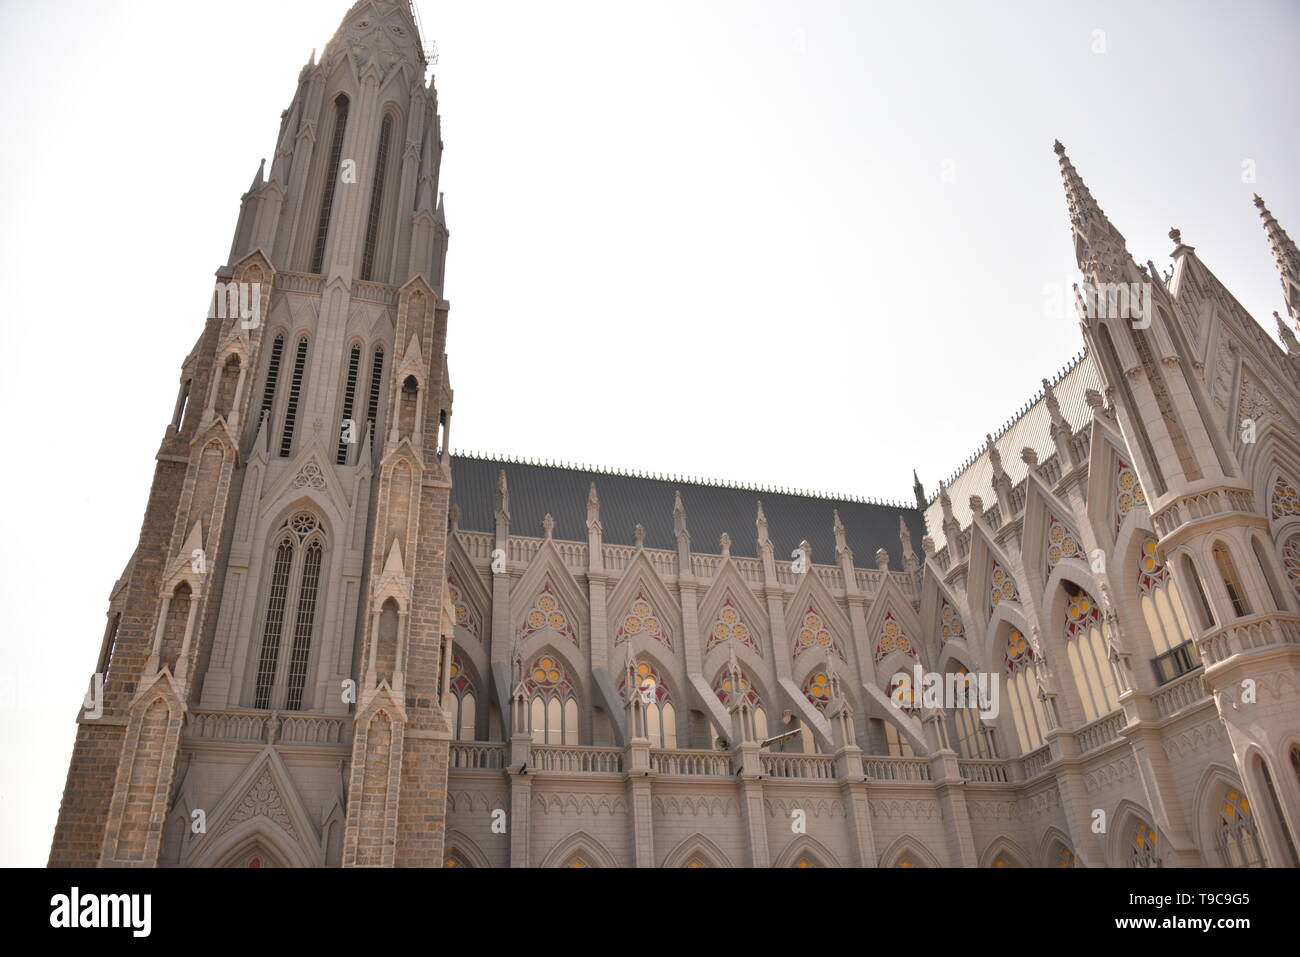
(1286, 256)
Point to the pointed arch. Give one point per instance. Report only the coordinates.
(1002, 851)
(806, 851)
(814, 622)
(908, 848)
(696, 850)
(579, 846)
(1134, 839)
(642, 607)
(1055, 849)
(460, 845)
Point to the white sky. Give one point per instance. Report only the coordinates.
(710, 238)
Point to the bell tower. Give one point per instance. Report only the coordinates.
(279, 630)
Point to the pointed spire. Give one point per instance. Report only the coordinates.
(593, 509)
(679, 516)
(259, 178)
(503, 496)
(1288, 337)
(919, 491)
(1286, 256)
(1099, 248)
(841, 541)
(905, 539)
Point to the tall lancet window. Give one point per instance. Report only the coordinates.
(295, 393)
(376, 198)
(331, 181)
(348, 429)
(293, 595)
(272, 376)
(372, 404)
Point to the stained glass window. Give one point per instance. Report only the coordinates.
(293, 596)
(547, 613)
(462, 690)
(1142, 852)
(814, 633)
(1027, 714)
(641, 619)
(1003, 588)
(1237, 838)
(728, 625)
(1284, 500)
(553, 705)
(661, 716)
(892, 638)
(817, 687)
(1291, 560)
(1128, 491)
(1089, 657)
(1061, 543)
(950, 622)
(465, 618)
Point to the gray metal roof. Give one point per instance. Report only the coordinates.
(1030, 428)
(711, 510)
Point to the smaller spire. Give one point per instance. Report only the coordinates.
(259, 178)
(638, 535)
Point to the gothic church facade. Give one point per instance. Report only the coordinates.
(338, 645)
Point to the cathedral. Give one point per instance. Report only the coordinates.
(337, 644)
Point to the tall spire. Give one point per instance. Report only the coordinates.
(1098, 246)
(1286, 256)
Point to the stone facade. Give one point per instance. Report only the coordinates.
(336, 645)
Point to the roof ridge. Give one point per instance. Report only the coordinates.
(1003, 429)
(684, 479)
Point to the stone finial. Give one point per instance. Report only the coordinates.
(995, 457)
(1288, 337)
(882, 559)
(679, 516)
(1029, 456)
(1177, 236)
(905, 538)
(503, 496)
(945, 503)
(1094, 400)
(977, 505)
(548, 526)
(724, 545)
(927, 545)
(593, 509)
(807, 551)
(638, 535)
(453, 517)
(841, 542)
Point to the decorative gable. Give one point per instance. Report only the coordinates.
(1003, 587)
(730, 625)
(1061, 543)
(1284, 501)
(641, 619)
(1128, 491)
(950, 623)
(892, 638)
(813, 633)
(547, 613)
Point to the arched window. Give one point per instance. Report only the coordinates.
(1284, 501)
(553, 703)
(331, 180)
(182, 402)
(1065, 857)
(272, 376)
(1088, 654)
(1266, 569)
(1027, 714)
(1231, 582)
(661, 717)
(295, 394)
(907, 700)
(1202, 603)
(1117, 376)
(1161, 607)
(1236, 837)
(376, 198)
(722, 687)
(348, 428)
(1276, 807)
(292, 596)
(973, 740)
(372, 403)
(463, 705)
(408, 403)
(1142, 850)
(109, 646)
(1291, 561)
